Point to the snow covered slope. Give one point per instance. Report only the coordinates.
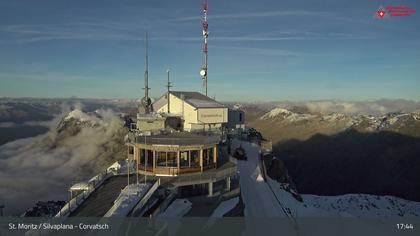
(259, 200)
(351, 205)
(272, 199)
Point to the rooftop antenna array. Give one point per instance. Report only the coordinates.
(203, 71)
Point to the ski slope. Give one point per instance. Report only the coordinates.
(259, 200)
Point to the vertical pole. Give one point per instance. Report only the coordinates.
(70, 203)
(228, 183)
(137, 153)
(205, 49)
(154, 160)
(128, 173)
(146, 160)
(201, 158)
(215, 155)
(169, 86)
(128, 167)
(178, 160)
(210, 189)
(166, 159)
(189, 158)
(146, 66)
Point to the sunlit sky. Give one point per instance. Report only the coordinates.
(258, 50)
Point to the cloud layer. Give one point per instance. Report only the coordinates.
(44, 167)
(377, 107)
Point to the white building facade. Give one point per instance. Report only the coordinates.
(198, 111)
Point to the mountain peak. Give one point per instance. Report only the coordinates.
(277, 112)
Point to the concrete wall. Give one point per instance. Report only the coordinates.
(150, 125)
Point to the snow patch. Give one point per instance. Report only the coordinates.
(127, 200)
(275, 112)
(224, 207)
(178, 208)
(286, 114)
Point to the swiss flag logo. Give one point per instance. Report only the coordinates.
(381, 13)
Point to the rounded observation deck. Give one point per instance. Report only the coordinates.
(175, 153)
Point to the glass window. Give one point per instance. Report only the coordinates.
(142, 156)
(149, 158)
(172, 156)
(195, 158)
(210, 155)
(184, 159)
(207, 156)
(161, 158)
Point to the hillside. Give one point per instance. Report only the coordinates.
(334, 154)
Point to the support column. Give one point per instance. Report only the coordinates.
(201, 158)
(189, 158)
(210, 189)
(137, 152)
(215, 155)
(154, 160)
(228, 183)
(178, 160)
(139, 156)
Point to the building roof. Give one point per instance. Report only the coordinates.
(197, 99)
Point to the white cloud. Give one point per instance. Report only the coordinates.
(43, 167)
(378, 107)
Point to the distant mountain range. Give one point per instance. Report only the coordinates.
(334, 154)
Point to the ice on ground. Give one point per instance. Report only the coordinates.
(127, 200)
(224, 207)
(259, 200)
(178, 208)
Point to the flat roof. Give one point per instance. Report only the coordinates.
(197, 99)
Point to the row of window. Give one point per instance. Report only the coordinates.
(169, 159)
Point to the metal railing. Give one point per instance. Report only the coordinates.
(206, 176)
(178, 140)
(93, 184)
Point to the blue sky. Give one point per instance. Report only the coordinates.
(258, 50)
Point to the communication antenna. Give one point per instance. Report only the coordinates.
(146, 103)
(168, 86)
(204, 70)
(146, 69)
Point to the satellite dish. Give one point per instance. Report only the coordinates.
(203, 72)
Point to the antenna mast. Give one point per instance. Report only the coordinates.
(146, 103)
(146, 69)
(204, 70)
(169, 85)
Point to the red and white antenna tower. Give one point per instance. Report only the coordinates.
(203, 71)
